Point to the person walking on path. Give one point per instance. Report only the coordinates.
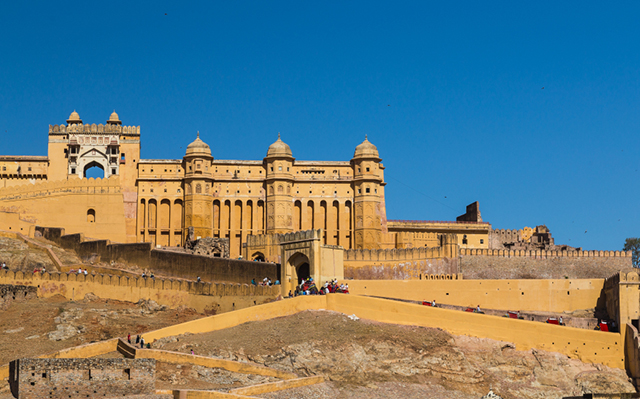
(129, 339)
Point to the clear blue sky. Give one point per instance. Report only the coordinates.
(450, 92)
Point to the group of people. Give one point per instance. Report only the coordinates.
(43, 270)
(144, 275)
(139, 341)
(265, 282)
(79, 271)
(308, 287)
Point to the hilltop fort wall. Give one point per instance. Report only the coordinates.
(522, 264)
(204, 297)
(162, 261)
(94, 207)
(66, 378)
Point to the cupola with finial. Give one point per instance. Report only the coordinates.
(74, 118)
(114, 119)
(366, 150)
(279, 149)
(198, 147)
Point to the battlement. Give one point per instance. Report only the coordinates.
(93, 128)
(277, 239)
(393, 254)
(542, 254)
(45, 189)
(191, 287)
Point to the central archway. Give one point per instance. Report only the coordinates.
(93, 169)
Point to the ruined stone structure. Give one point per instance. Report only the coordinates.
(81, 378)
(147, 200)
(527, 239)
(207, 246)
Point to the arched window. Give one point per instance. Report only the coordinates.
(280, 189)
(198, 188)
(91, 216)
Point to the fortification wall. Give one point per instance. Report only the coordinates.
(399, 264)
(65, 378)
(204, 297)
(524, 295)
(184, 265)
(623, 297)
(168, 263)
(506, 264)
(94, 207)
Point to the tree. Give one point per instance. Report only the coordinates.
(633, 245)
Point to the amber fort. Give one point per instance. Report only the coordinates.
(208, 226)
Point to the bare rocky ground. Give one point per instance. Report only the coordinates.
(40, 326)
(19, 257)
(365, 359)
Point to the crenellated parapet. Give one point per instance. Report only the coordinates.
(543, 254)
(62, 187)
(93, 128)
(384, 255)
(191, 287)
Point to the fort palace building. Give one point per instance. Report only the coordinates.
(157, 200)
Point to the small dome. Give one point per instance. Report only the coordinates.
(366, 150)
(279, 149)
(113, 118)
(198, 147)
(74, 118)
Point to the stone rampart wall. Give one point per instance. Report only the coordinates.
(542, 254)
(501, 264)
(47, 189)
(400, 270)
(75, 378)
(204, 297)
(166, 262)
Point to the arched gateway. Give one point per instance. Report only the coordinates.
(301, 255)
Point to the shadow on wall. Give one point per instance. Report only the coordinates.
(169, 263)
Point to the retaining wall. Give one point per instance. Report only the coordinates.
(204, 297)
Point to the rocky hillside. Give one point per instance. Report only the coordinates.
(364, 359)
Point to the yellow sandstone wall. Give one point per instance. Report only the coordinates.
(586, 345)
(93, 207)
(524, 295)
(204, 297)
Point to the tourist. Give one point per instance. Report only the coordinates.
(43, 270)
(253, 281)
(433, 303)
(141, 343)
(277, 282)
(129, 338)
(560, 321)
(152, 276)
(192, 352)
(198, 280)
(148, 345)
(85, 272)
(290, 294)
(144, 275)
(478, 309)
(138, 339)
(79, 270)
